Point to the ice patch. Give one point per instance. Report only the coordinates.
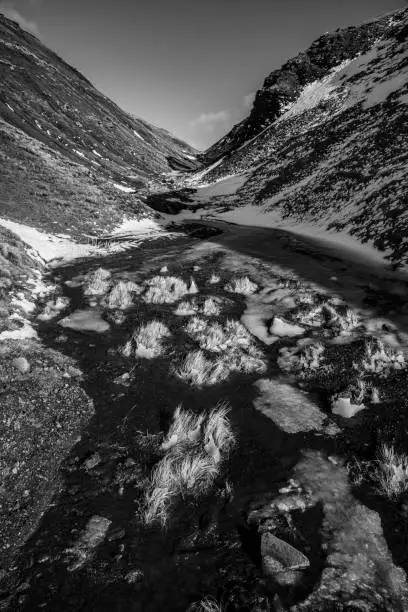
(86, 320)
(288, 407)
(284, 329)
(226, 186)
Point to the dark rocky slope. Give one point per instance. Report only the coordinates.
(335, 158)
(283, 85)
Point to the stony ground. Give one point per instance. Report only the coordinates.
(295, 518)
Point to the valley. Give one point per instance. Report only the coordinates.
(203, 356)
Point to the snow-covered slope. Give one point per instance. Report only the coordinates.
(335, 159)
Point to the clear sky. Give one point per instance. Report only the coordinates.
(190, 66)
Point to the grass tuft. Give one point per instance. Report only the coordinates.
(165, 290)
(391, 472)
(242, 285)
(194, 447)
(185, 309)
(208, 604)
(97, 282)
(121, 295)
(198, 371)
(214, 279)
(233, 345)
(147, 341)
(211, 307)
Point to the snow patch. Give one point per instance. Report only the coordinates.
(226, 186)
(47, 246)
(138, 135)
(124, 188)
(23, 333)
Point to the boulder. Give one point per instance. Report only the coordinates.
(279, 556)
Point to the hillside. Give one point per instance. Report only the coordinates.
(64, 145)
(332, 158)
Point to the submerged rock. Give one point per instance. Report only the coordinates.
(93, 535)
(359, 571)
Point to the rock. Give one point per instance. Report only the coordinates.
(116, 534)
(92, 461)
(279, 556)
(21, 364)
(343, 407)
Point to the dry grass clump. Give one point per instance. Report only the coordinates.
(199, 371)
(379, 359)
(194, 448)
(337, 321)
(208, 604)
(97, 282)
(217, 338)
(167, 290)
(301, 358)
(196, 326)
(185, 428)
(121, 295)
(391, 472)
(214, 279)
(147, 341)
(234, 348)
(211, 307)
(185, 309)
(242, 285)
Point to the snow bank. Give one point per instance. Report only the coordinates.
(49, 247)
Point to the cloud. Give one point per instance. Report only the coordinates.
(209, 120)
(9, 11)
(249, 99)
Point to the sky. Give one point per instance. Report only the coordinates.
(190, 66)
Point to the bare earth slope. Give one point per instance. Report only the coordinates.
(335, 157)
